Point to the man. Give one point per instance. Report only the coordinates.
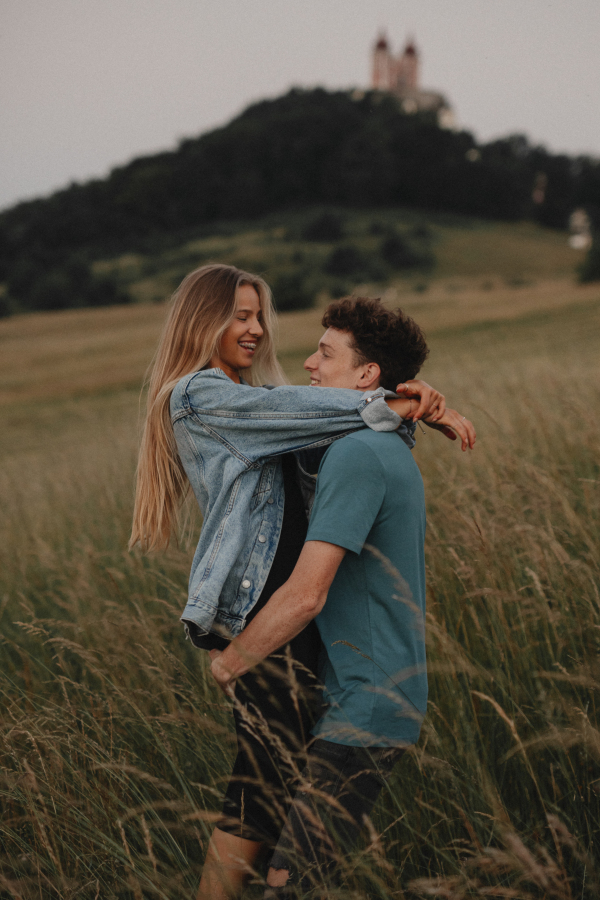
(361, 573)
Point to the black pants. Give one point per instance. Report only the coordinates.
(338, 789)
(276, 705)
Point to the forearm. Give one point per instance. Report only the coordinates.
(288, 611)
(284, 616)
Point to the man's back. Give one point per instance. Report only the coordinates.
(370, 500)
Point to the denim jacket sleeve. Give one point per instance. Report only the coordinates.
(257, 422)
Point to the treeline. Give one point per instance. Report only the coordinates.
(304, 148)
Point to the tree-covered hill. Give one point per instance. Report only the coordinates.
(304, 148)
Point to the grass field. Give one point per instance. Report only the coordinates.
(114, 745)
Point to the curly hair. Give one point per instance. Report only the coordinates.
(389, 338)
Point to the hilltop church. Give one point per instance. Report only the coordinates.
(399, 75)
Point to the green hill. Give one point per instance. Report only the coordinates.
(301, 150)
(457, 251)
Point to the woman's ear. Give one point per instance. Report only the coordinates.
(369, 379)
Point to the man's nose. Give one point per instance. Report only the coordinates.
(310, 363)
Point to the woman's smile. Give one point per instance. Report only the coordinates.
(242, 336)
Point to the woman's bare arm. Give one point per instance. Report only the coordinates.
(419, 399)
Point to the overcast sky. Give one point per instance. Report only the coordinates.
(87, 84)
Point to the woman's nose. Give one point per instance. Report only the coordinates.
(256, 329)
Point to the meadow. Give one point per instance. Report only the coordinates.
(114, 743)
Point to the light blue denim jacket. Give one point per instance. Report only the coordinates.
(229, 438)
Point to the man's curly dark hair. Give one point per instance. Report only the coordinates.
(389, 338)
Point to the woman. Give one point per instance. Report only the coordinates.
(209, 428)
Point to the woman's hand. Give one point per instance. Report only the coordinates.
(431, 402)
(453, 425)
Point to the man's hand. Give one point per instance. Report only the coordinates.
(453, 425)
(221, 673)
(287, 612)
(431, 402)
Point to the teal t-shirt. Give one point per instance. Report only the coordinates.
(370, 500)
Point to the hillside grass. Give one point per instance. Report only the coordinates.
(114, 744)
(461, 247)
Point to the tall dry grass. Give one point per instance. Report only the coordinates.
(115, 746)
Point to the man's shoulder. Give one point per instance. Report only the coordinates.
(356, 459)
(368, 443)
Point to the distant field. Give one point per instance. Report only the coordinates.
(114, 745)
(79, 352)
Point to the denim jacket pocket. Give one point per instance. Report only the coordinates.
(265, 484)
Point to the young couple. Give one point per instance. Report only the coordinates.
(283, 604)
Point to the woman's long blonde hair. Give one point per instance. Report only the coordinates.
(202, 307)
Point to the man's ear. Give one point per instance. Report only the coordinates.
(369, 378)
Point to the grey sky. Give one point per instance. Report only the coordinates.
(87, 84)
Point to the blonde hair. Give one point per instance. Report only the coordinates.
(201, 310)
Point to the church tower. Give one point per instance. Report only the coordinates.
(382, 65)
(407, 69)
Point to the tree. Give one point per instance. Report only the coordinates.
(67, 285)
(590, 267)
(325, 227)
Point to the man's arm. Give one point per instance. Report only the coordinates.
(288, 611)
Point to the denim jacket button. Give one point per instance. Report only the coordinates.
(261, 538)
(270, 500)
(245, 583)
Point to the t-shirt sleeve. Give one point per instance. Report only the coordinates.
(350, 492)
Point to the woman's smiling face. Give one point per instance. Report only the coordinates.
(240, 340)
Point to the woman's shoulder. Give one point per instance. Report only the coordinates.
(200, 379)
(204, 387)
(192, 384)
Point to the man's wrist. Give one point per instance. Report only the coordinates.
(232, 664)
(221, 673)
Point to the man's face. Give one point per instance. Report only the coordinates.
(334, 364)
